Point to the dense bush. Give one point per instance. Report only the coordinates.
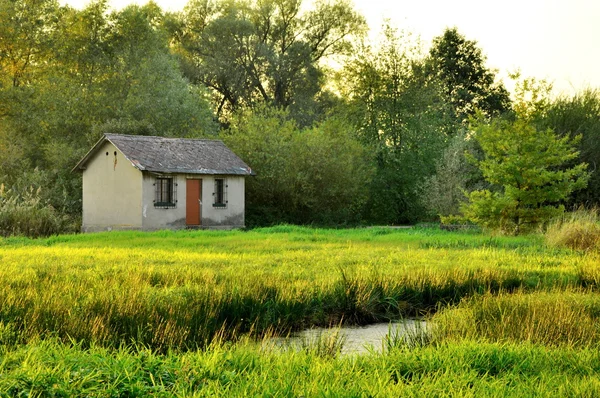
(303, 176)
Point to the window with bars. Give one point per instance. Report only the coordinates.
(165, 189)
(220, 193)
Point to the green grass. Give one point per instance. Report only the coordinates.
(556, 318)
(176, 313)
(181, 289)
(466, 368)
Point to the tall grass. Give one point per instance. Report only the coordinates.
(178, 290)
(579, 230)
(547, 318)
(26, 214)
(121, 314)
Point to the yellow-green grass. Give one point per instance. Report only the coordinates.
(181, 289)
(461, 369)
(553, 318)
(576, 230)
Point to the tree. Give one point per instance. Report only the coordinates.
(468, 84)
(524, 165)
(446, 191)
(27, 33)
(580, 115)
(269, 52)
(401, 116)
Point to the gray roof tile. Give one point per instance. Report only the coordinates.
(175, 155)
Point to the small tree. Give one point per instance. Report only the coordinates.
(525, 165)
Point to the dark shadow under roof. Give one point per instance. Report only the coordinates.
(173, 155)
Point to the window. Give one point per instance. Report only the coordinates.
(165, 192)
(220, 194)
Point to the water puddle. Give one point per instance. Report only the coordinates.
(355, 339)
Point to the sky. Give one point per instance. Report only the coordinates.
(557, 40)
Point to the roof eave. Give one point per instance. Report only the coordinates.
(201, 172)
(80, 166)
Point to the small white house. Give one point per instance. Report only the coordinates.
(149, 183)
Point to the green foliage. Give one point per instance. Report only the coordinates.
(401, 116)
(27, 35)
(578, 230)
(524, 165)
(531, 97)
(580, 116)
(317, 175)
(468, 84)
(264, 52)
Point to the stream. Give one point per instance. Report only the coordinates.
(356, 339)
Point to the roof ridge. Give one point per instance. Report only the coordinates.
(162, 138)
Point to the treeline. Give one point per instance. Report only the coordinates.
(379, 138)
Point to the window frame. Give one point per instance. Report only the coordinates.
(165, 192)
(220, 193)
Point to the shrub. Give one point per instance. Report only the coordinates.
(317, 175)
(579, 230)
(26, 214)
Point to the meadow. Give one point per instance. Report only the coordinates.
(188, 313)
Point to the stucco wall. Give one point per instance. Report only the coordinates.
(112, 191)
(231, 216)
(157, 218)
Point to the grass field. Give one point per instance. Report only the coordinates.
(178, 313)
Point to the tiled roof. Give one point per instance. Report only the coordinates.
(174, 155)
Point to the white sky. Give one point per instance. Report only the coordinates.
(554, 39)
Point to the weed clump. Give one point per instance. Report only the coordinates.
(27, 214)
(579, 230)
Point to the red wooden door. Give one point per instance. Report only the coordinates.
(193, 202)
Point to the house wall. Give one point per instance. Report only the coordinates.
(231, 216)
(112, 191)
(158, 218)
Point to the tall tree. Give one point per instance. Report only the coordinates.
(266, 51)
(468, 83)
(27, 31)
(400, 113)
